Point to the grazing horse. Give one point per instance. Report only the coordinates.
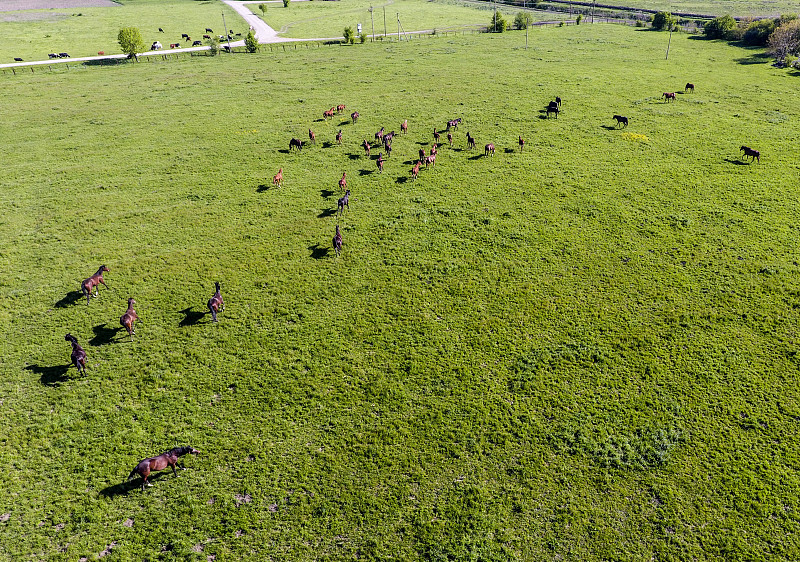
(379, 135)
(295, 143)
(78, 354)
(344, 202)
(668, 96)
(343, 181)
(415, 170)
(93, 283)
(621, 120)
(751, 152)
(354, 116)
(435, 135)
(277, 179)
(366, 146)
(470, 141)
(339, 137)
(215, 303)
(488, 149)
(127, 319)
(312, 137)
(430, 161)
(404, 126)
(380, 162)
(337, 241)
(450, 139)
(552, 109)
(162, 461)
(340, 108)
(689, 86)
(521, 143)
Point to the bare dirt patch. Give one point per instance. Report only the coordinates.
(19, 5)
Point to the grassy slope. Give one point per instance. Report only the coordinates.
(743, 8)
(488, 371)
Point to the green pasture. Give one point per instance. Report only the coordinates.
(739, 8)
(32, 34)
(584, 351)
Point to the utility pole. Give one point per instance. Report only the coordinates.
(670, 41)
(527, 25)
(398, 27)
(384, 21)
(495, 16)
(228, 35)
(372, 17)
(593, 11)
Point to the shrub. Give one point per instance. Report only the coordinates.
(213, 46)
(285, 3)
(263, 8)
(580, 18)
(639, 23)
(250, 42)
(758, 32)
(662, 21)
(349, 35)
(363, 38)
(785, 40)
(718, 28)
(498, 24)
(523, 20)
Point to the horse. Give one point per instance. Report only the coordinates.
(295, 143)
(379, 135)
(434, 149)
(215, 303)
(552, 109)
(388, 137)
(337, 241)
(162, 461)
(343, 181)
(689, 86)
(312, 137)
(380, 161)
(415, 170)
(422, 154)
(404, 126)
(453, 123)
(621, 120)
(127, 319)
(328, 113)
(558, 101)
(93, 283)
(450, 139)
(668, 96)
(78, 354)
(339, 137)
(435, 135)
(488, 149)
(340, 108)
(277, 179)
(430, 161)
(470, 141)
(388, 150)
(521, 143)
(366, 146)
(751, 152)
(344, 202)
(354, 116)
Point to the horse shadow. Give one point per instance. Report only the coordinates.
(262, 188)
(609, 127)
(508, 150)
(327, 213)
(458, 150)
(190, 316)
(284, 151)
(326, 193)
(346, 122)
(69, 299)
(352, 156)
(363, 172)
(401, 179)
(121, 489)
(409, 162)
(476, 157)
(50, 376)
(318, 253)
(737, 162)
(103, 335)
(327, 144)
(422, 143)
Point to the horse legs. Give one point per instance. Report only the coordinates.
(213, 313)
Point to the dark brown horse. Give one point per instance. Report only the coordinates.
(162, 461)
(339, 137)
(380, 162)
(78, 354)
(215, 303)
(621, 120)
(470, 141)
(751, 152)
(689, 86)
(296, 143)
(344, 202)
(668, 96)
(521, 143)
(127, 319)
(366, 146)
(337, 241)
(354, 116)
(435, 135)
(450, 139)
(379, 135)
(422, 154)
(92, 283)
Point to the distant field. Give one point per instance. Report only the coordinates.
(32, 34)
(739, 8)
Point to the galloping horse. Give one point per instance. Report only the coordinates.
(127, 319)
(78, 354)
(337, 241)
(751, 152)
(215, 303)
(668, 96)
(162, 461)
(689, 86)
(277, 179)
(295, 143)
(343, 181)
(621, 120)
(93, 283)
(488, 149)
(344, 202)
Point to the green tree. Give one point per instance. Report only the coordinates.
(250, 42)
(213, 46)
(263, 8)
(663, 21)
(579, 19)
(285, 3)
(349, 36)
(131, 42)
(523, 20)
(758, 32)
(785, 40)
(718, 28)
(363, 38)
(498, 24)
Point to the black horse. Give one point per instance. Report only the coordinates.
(751, 152)
(296, 143)
(621, 120)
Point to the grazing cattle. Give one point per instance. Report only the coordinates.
(668, 96)
(162, 461)
(184, 36)
(174, 45)
(161, 30)
(93, 283)
(435, 135)
(209, 30)
(78, 354)
(343, 181)
(338, 241)
(196, 43)
(344, 202)
(422, 154)
(277, 179)
(354, 116)
(488, 149)
(379, 135)
(53, 56)
(430, 160)
(215, 303)
(206, 37)
(552, 109)
(689, 86)
(621, 120)
(156, 46)
(63, 55)
(127, 319)
(415, 169)
(312, 137)
(521, 143)
(404, 126)
(340, 108)
(450, 139)
(101, 53)
(339, 137)
(17, 59)
(366, 146)
(327, 114)
(751, 152)
(470, 141)
(380, 161)
(295, 143)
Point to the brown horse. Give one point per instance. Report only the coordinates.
(337, 241)
(435, 135)
(470, 141)
(366, 146)
(340, 108)
(404, 126)
(379, 135)
(751, 152)
(689, 86)
(78, 354)
(162, 461)
(344, 202)
(93, 283)
(450, 139)
(415, 170)
(339, 137)
(422, 154)
(277, 179)
(327, 114)
(215, 303)
(434, 149)
(668, 96)
(430, 160)
(343, 181)
(127, 319)
(521, 143)
(380, 162)
(488, 149)
(312, 136)
(354, 116)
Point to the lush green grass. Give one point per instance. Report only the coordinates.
(32, 34)
(587, 351)
(742, 8)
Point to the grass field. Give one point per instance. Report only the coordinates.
(585, 351)
(739, 8)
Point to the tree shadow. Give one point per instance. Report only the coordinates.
(401, 179)
(318, 253)
(326, 193)
(263, 187)
(190, 316)
(737, 162)
(50, 376)
(327, 213)
(758, 57)
(365, 172)
(103, 335)
(69, 299)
